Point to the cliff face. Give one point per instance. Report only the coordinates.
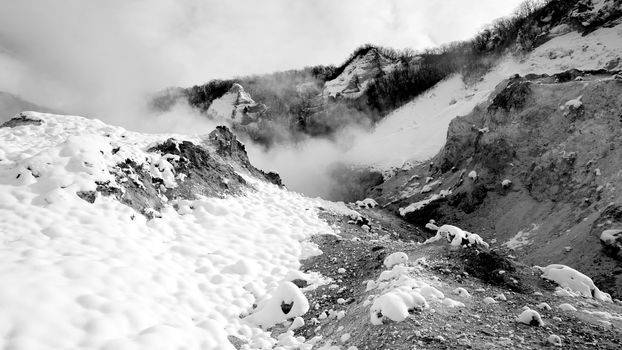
(536, 168)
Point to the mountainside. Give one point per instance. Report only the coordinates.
(485, 190)
(360, 72)
(119, 240)
(536, 168)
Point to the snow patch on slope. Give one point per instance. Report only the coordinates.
(417, 131)
(102, 276)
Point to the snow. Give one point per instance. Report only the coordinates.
(452, 303)
(574, 103)
(530, 317)
(489, 300)
(506, 182)
(473, 175)
(362, 68)
(554, 340)
(395, 305)
(456, 237)
(417, 131)
(272, 311)
(501, 297)
(521, 238)
(366, 203)
(462, 292)
(574, 280)
(395, 258)
(102, 276)
(567, 307)
(413, 207)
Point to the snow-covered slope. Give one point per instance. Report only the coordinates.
(359, 73)
(100, 275)
(416, 131)
(236, 105)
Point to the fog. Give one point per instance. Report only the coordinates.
(102, 59)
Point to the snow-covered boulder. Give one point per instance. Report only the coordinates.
(366, 203)
(567, 307)
(395, 258)
(286, 302)
(396, 305)
(489, 300)
(574, 280)
(530, 317)
(554, 340)
(457, 237)
(462, 292)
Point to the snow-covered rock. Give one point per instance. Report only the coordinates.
(236, 105)
(98, 274)
(395, 258)
(366, 203)
(395, 305)
(489, 300)
(574, 280)
(462, 292)
(554, 340)
(359, 73)
(567, 307)
(530, 317)
(457, 237)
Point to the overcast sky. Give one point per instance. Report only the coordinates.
(84, 55)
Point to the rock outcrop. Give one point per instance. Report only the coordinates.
(544, 150)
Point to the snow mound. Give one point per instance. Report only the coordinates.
(100, 275)
(457, 237)
(462, 292)
(396, 305)
(395, 258)
(489, 300)
(567, 307)
(530, 317)
(366, 203)
(286, 302)
(452, 303)
(574, 280)
(554, 340)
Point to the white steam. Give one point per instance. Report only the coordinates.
(102, 59)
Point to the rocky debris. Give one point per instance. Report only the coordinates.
(21, 119)
(557, 139)
(339, 311)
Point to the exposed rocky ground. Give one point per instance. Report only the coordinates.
(340, 315)
(536, 169)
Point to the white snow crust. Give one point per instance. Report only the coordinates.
(77, 275)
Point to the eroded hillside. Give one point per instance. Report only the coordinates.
(536, 169)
